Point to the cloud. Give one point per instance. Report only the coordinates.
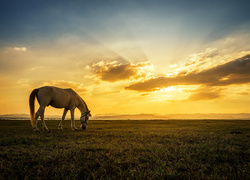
(24, 82)
(243, 93)
(233, 72)
(202, 56)
(14, 49)
(115, 71)
(205, 93)
(21, 49)
(14, 59)
(78, 87)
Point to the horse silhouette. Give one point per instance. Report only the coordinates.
(58, 98)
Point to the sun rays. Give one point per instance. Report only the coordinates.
(128, 56)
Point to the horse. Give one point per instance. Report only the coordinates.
(58, 98)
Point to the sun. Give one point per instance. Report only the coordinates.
(168, 89)
(172, 93)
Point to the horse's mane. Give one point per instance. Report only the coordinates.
(83, 102)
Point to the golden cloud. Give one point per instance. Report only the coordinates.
(233, 72)
(115, 71)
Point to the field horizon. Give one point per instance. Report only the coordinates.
(141, 116)
(134, 149)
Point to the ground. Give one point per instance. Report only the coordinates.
(145, 149)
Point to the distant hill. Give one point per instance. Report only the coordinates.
(135, 116)
(243, 116)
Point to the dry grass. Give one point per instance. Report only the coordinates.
(178, 149)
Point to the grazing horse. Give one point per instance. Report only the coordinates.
(58, 98)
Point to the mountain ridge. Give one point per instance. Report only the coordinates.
(244, 116)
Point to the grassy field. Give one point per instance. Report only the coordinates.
(173, 149)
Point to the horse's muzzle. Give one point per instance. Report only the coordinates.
(84, 126)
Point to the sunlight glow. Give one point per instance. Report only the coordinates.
(128, 57)
(171, 88)
(171, 93)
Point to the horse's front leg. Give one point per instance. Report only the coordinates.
(73, 126)
(63, 117)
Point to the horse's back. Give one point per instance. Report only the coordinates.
(46, 90)
(54, 90)
(54, 96)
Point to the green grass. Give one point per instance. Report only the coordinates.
(174, 149)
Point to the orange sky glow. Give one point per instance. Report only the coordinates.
(123, 62)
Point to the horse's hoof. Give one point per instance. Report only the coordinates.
(36, 130)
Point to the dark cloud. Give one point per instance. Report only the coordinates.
(233, 72)
(114, 71)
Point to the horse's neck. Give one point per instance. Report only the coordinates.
(83, 106)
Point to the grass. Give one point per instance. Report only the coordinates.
(173, 149)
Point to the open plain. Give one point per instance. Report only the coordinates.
(144, 149)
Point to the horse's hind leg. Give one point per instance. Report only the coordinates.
(63, 117)
(39, 112)
(44, 124)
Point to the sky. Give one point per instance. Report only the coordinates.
(128, 57)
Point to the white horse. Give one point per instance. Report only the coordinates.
(58, 98)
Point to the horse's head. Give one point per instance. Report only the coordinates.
(84, 119)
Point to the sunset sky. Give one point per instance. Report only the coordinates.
(128, 56)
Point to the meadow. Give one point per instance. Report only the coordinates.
(145, 149)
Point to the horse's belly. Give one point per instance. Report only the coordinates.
(58, 104)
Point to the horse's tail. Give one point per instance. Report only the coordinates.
(32, 105)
